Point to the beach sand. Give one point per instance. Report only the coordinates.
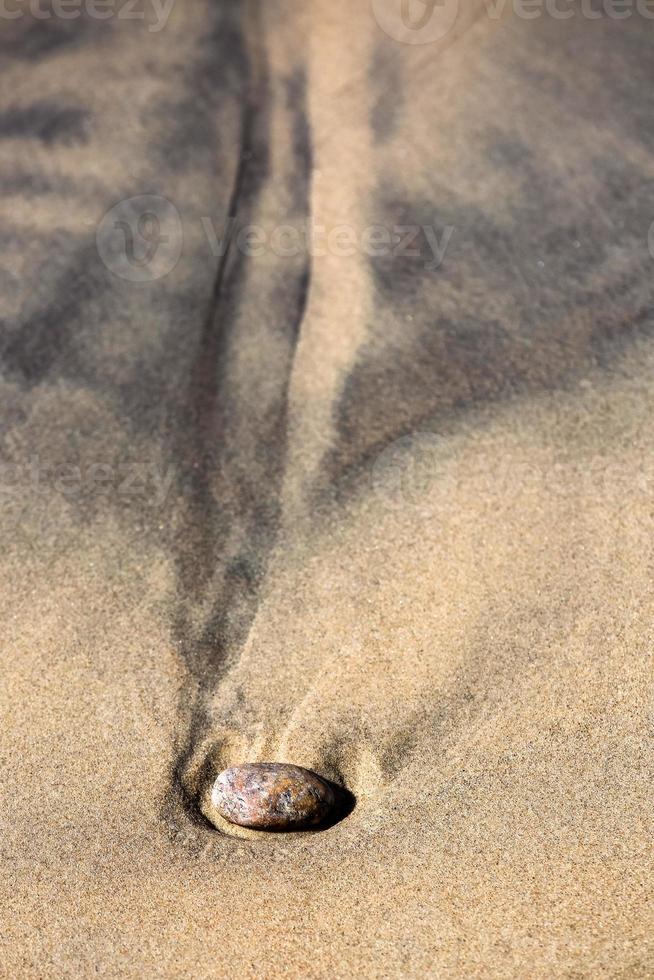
(413, 555)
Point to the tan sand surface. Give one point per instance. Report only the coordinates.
(428, 577)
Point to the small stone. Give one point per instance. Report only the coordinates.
(272, 796)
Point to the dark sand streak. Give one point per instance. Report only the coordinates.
(230, 518)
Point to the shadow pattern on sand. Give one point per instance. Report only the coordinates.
(216, 402)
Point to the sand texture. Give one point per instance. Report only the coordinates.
(389, 517)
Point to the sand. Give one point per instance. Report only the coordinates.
(392, 525)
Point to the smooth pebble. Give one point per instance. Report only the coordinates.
(272, 796)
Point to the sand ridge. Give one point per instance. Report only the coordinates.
(399, 532)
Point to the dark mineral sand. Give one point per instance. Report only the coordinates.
(463, 639)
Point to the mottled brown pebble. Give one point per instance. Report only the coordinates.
(272, 796)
